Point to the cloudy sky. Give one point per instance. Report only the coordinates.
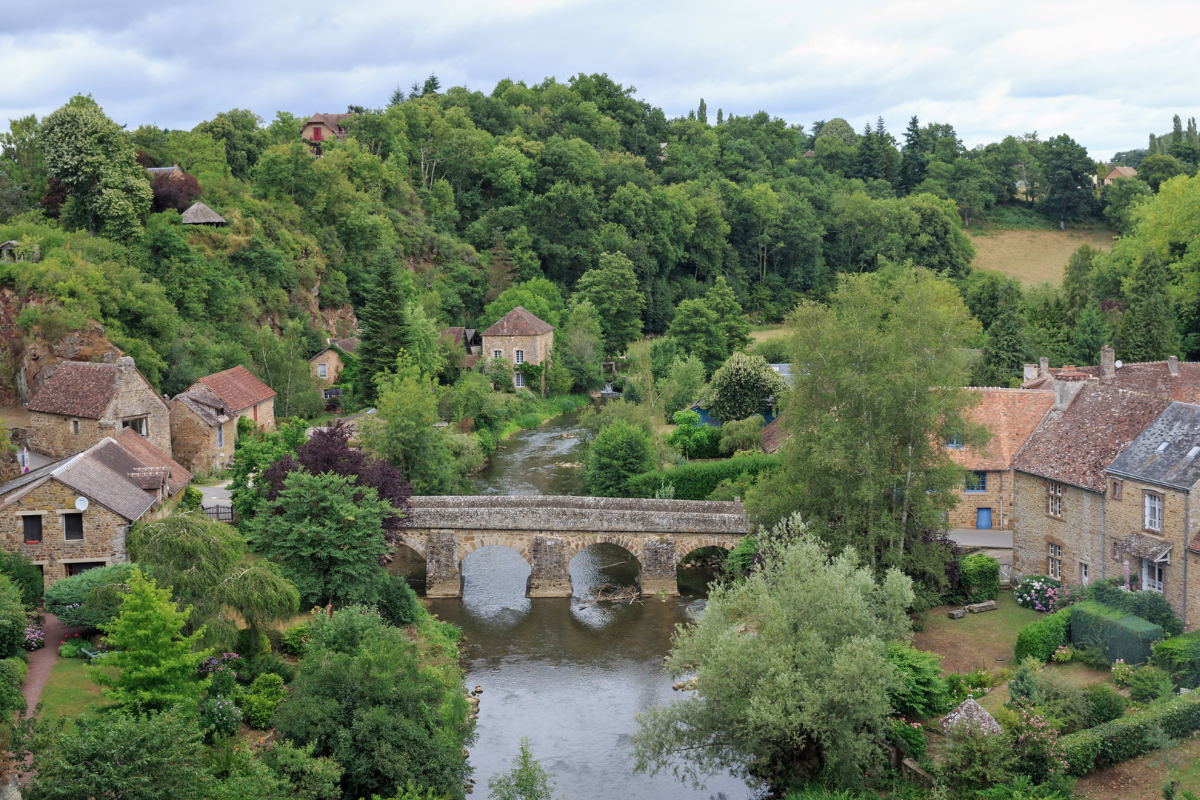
(1108, 73)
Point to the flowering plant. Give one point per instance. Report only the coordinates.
(1121, 673)
(219, 716)
(1035, 745)
(35, 638)
(1063, 653)
(1048, 595)
(213, 663)
(909, 735)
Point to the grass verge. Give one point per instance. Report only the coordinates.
(69, 692)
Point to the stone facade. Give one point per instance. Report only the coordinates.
(55, 436)
(998, 497)
(198, 446)
(1126, 516)
(549, 531)
(103, 531)
(534, 349)
(1079, 531)
(331, 361)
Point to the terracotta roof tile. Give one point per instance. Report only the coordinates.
(1150, 377)
(518, 322)
(1011, 415)
(77, 389)
(237, 388)
(1075, 445)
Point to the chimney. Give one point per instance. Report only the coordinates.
(1066, 386)
(1043, 366)
(1031, 371)
(1173, 366)
(1108, 361)
(125, 369)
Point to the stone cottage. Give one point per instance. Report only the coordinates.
(1061, 485)
(204, 417)
(74, 514)
(520, 338)
(82, 403)
(326, 366)
(985, 500)
(324, 127)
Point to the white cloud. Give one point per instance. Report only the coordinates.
(1107, 73)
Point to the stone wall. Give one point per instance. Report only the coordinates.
(1126, 516)
(333, 367)
(536, 348)
(262, 415)
(998, 497)
(195, 443)
(51, 435)
(1077, 532)
(137, 398)
(103, 531)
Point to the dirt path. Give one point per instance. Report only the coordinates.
(41, 661)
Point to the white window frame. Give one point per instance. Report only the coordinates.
(322, 371)
(1153, 575)
(520, 380)
(1054, 493)
(496, 354)
(1054, 561)
(1152, 512)
(1084, 573)
(519, 356)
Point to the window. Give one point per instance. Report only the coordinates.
(1152, 576)
(74, 427)
(520, 379)
(322, 371)
(955, 443)
(519, 356)
(1153, 515)
(33, 528)
(1084, 576)
(317, 134)
(1054, 499)
(73, 526)
(256, 412)
(496, 354)
(977, 481)
(1116, 489)
(139, 425)
(82, 567)
(220, 436)
(1054, 561)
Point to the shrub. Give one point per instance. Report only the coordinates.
(777, 350)
(1149, 684)
(1121, 673)
(219, 716)
(25, 575)
(269, 663)
(487, 442)
(12, 675)
(35, 638)
(70, 649)
(693, 439)
(1064, 701)
(295, 638)
(1046, 594)
(1090, 657)
(920, 690)
(1022, 687)
(90, 599)
(1130, 735)
(528, 422)
(397, 601)
(224, 682)
(696, 481)
(745, 434)
(910, 736)
(1104, 703)
(1022, 788)
(1180, 657)
(974, 684)
(192, 498)
(619, 452)
(1040, 638)
(974, 760)
(1150, 606)
(979, 578)
(1035, 747)
(1116, 633)
(260, 701)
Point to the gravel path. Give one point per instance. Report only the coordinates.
(41, 661)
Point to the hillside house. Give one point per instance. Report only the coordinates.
(74, 514)
(200, 214)
(520, 338)
(1119, 172)
(324, 127)
(985, 500)
(82, 403)
(326, 366)
(204, 417)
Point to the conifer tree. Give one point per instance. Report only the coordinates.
(1090, 334)
(1077, 282)
(702, 112)
(720, 117)
(1147, 330)
(385, 327)
(1007, 346)
(915, 160)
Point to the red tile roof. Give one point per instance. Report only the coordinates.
(77, 389)
(1075, 445)
(518, 322)
(1011, 415)
(141, 449)
(1151, 377)
(237, 388)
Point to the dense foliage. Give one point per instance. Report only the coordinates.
(90, 598)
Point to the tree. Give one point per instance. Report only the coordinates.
(1007, 345)
(579, 347)
(697, 331)
(195, 153)
(1077, 281)
(1157, 169)
(1120, 198)
(1068, 175)
(683, 384)
(173, 191)
(156, 664)
(281, 362)
(241, 132)
(612, 289)
(384, 326)
(13, 619)
(790, 675)
(619, 452)
(326, 532)
(912, 165)
(1147, 329)
(25, 576)
(742, 386)
(538, 296)
(735, 325)
(526, 778)
(1089, 335)
(90, 156)
(744, 434)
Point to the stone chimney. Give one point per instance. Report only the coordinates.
(1173, 366)
(1031, 371)
(1108, 361)
(1043, 366)
(1067, 385)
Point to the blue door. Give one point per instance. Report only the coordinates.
(983, 519)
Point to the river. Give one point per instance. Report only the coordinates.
(568, 675)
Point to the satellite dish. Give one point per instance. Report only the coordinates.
(81, 503)
(1118, 364)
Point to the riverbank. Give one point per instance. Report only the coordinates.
(535, 411)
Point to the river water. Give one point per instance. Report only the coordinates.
(567, 674)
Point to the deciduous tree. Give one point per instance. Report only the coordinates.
(612, 289)
(742, 386)
(619, 452)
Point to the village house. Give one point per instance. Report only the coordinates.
(520, 338)
(1119, 172)
(172, 171)
(326, 366)
(82, 403)
(323, 127)
(204, 417)
(1061, 485)
(985, 500)
(1178, 380)
(468, 341)
(74, 514)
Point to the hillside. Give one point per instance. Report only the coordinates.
(1032, 256)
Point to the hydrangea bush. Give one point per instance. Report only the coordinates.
(1048, 595)
(35, 638)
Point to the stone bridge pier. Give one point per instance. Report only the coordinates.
(549, 531)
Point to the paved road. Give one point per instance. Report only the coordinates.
(217, 495)
(975, 538)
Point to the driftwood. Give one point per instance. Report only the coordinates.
(607, 593)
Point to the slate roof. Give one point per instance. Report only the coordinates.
(103, 473)
(774, 435)
(518, 322)
(347, 345)
(1147, 377)
(153, 458)
(1011, 415)
(969, 712)
(77, 389)
(200, 214)
(237, 388)
(1076, 444)
(1167, 452)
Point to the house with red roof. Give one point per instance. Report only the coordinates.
(204, 417)
(519, 338)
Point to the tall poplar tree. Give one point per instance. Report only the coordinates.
(385, 328)
(1147, 329)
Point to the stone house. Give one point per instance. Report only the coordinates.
(205, 416)
(985, 500)
(521, 338)
(1061, 486)
(327, 366)
(323, 127)
(82, 403)
(74, 514)
(1149, 518)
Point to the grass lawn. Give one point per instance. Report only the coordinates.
(980, 641)
(68, 691)
(1142, 778)
(1033, 256)
(763, 332)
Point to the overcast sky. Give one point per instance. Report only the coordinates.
(1106, 73)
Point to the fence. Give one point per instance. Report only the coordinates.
(219, 513)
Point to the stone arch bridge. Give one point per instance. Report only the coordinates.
(548, 531)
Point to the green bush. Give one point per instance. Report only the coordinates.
(1130, 735)
(1039, 639)
(1180, 656)
(487, 442)
(1104, 703)
(911, 738)
(219, 716)
(528, 422)
(260, 701)
(693, 439)
(1113, 631)
(696, 481)
(70, 650)
(1149, 684)
(398, 603)
(921, 691)
(1022, 687)
(13, 619)
(192, 498)
(979, 578)
(25, 575)
(295, 638)
(973, 760)
(89, 599)
(270, 663)
(1150, 606)
(12, 675)
(1064, 701)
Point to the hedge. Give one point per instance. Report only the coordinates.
(1150, 606)
(1180, 657)
(1113, 632)
(1041, 638)
(1130, 735)
(979, 578)
(697, 480)
(90, 598)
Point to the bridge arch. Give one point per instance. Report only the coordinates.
(517, 544)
